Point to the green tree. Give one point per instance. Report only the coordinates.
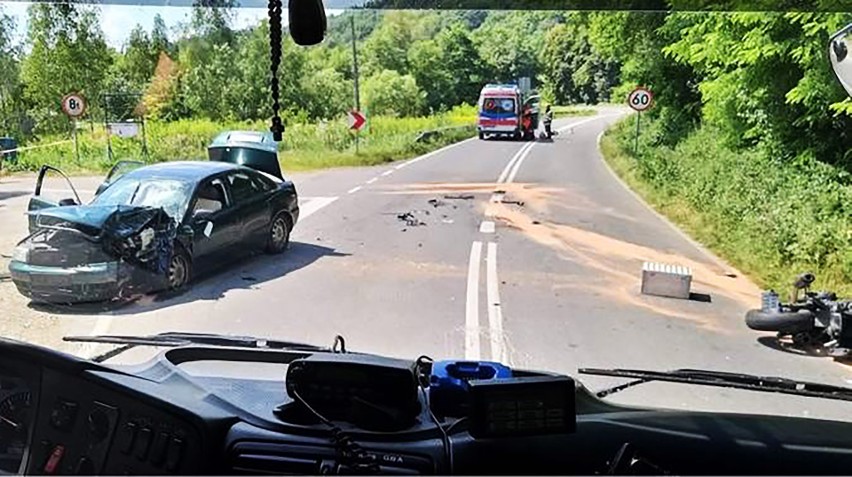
(572, 70)
(393, 94)
(10, 86)
(160, 38)
(67, 54)
(448, 68)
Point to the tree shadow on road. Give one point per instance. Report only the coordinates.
(237, 274)
(11, 195)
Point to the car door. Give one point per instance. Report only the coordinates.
(215, 222)
(252, 201)
(40, 200)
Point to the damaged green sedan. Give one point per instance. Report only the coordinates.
(151, 229)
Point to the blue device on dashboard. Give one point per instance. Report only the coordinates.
(448, 383)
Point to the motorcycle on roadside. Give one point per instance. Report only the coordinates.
(813, 321)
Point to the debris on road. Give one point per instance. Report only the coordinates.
(410, 219)
(665, 280)
(436, 203)
(459, 197)
(515, 202)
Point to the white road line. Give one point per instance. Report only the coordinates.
(436, 152)
(400, 166)
(486, 227)
(517, 165)
(495, 311)
(472, 346)
(374, 179)
(593, 118)
(387, 173)
(354, 190)
(312, 205)
(508, 167)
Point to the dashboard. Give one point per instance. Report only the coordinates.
(63, 415)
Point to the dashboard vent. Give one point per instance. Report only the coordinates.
(253, 457)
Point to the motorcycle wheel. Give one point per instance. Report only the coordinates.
(787, 322)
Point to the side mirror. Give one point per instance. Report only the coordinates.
(65, 202)
(307, 21)
(841, 58)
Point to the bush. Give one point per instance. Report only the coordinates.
(771, 218)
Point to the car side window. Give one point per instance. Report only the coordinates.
(243, 187)
(211, 198)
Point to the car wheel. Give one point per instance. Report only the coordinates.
(279, 234)
(180, 270)
(481, 135)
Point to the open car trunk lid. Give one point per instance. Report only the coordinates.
(248, 148)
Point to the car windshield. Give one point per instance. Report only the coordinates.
(170, 195)
(396, 183)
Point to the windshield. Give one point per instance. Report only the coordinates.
(692, 161)
(498, 105)
(170, 195)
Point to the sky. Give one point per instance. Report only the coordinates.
(118, 20)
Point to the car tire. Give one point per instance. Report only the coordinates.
(481, 136)
(278, 237)
(179, 272)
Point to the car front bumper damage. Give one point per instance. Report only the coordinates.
(85, 283)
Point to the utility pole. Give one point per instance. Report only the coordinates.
(355, 75)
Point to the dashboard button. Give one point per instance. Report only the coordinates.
(63, 414)
(54, 459)
(174, 454)
(98, 424)
(158, 451)
(143, 443)
(127, 437)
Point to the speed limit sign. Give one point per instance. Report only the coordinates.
(640, 99)
(74, 105)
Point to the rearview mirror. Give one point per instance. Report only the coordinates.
(841, 57)
(307, 21)
(65, 202)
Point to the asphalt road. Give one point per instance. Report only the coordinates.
(525, 253)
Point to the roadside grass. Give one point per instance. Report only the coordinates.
(305, 146)
(771, 220)
(566, 111)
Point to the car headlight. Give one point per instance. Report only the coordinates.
(21, 253)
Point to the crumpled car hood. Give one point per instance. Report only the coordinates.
(142, 236)
(91, 217)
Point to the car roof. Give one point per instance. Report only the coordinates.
(190, 171)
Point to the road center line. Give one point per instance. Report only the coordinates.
(517, 165)
(314, 204)
(472, 346)
(495, 311)
(387, 173)
(374, 179)
(354, 190)
(508, 167)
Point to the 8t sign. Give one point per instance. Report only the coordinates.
(74, 105)
(640, 99)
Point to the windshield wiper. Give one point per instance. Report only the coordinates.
(177, 339)
(722, 379)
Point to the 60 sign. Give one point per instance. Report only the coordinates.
(640, 99)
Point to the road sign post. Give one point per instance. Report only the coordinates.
(73, 105)
(640, 99)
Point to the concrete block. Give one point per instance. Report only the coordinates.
(661, 279)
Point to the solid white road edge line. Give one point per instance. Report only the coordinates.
(428, 155)
(312, 205)
(387, 173)
(472, 346)
(495, 311)
(354, 190)
(374, 179)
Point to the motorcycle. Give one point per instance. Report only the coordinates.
(810, 320)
